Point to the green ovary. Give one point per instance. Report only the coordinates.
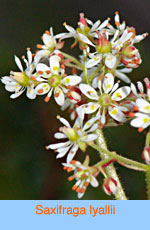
(85, 32)
(105, 100)
(54, 80)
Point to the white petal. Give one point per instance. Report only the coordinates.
(143, 105)
(63, 152)
(133, 89)
(142, 121)
(54, 64)
(93, 181)
(104, 24)
(121, 93)
(18, 62)
(116, 114)
(95, 83)
(71, 80)
(42, 89)
(59, 135)
(80, 113)
(59, 96)
(10, 88)
(92, 62)
(15, 95)
(108, 82)
(72, 153)
(42, 67)
(29, 56)
(140, 86)
(85, 39)
(103, 118)
(122, 76)
(89, 123)
(125, 70)
(95, 25)
(42, 53)
(58, 145)
(31, 94)
(93, 128)
(116, 85)
(89, 137)
(48, 40)
(64, 121)
(70, 29)
(90, 107)
(80, 195)
(110, 61)
(88, 91)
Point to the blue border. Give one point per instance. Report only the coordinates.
(20, 215)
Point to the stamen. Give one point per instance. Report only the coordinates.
(39, 46)
(33, 78)
(69, 170)
(47, 99)
(140, 130)
(70, 178)
(86, 183)
(82, 190)
(78, 189)
(135, 108)
(79, 169)
(73, 162)
(47, 32)
(131, 114)
(74, 187)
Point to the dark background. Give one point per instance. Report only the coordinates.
(27, 170)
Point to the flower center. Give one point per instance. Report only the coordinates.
(71, 133)
(105, 100)
(85, 32)
(21, 78)
(54, 80)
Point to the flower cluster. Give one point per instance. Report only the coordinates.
(83, 174)
(91, 93)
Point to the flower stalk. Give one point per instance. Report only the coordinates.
(120, 194)
(148, 183)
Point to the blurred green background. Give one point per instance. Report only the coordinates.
(27, 170)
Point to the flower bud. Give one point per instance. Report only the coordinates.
(110, 186)
(129, 51)
(146, 155)
(147, 83)
(74, 95)
(103, 45)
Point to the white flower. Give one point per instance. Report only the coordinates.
(142, 118)
(121, 27)
(108, 99)
(140, 87)
(18, 82)
(82, 175)
(50, 44)
(54, 80)
(85, 32)
(78, 137)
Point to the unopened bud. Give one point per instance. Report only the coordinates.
(146, 155)
(74, 95)
(129, 51)
(103, 45)
(110, 186)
